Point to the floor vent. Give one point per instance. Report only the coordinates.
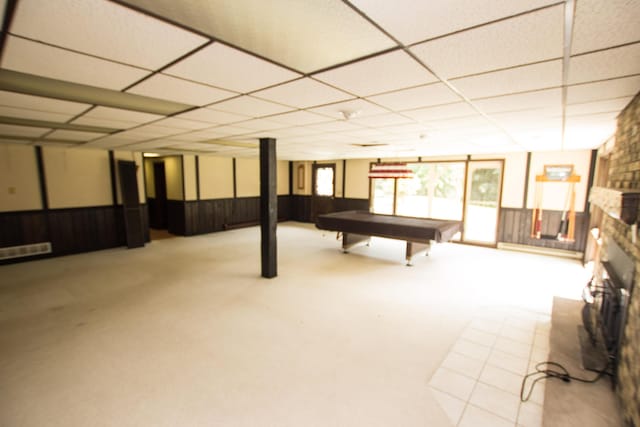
(25, 250)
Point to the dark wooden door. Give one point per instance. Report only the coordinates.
(323, 189)
(131, 204)
(160, 217)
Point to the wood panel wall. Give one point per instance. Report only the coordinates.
(515, 227)
(70, 231)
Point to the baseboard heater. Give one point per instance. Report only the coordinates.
(21, 251)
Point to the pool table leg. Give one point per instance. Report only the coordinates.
(350, 240)
(414, 248)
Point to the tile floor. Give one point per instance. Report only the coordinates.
(478, 383)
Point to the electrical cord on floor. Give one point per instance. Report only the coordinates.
(558, 371)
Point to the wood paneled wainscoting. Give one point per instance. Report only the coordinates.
(301, 206)
(189, 218)
(515, 227)
(70, 231)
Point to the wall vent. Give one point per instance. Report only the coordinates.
(25, 250)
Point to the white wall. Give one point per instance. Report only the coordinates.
(76, 177)
(216, 177)
(357, 179)
(20, 187)
(190, 183)
(283, 177)
(173, 175)
(247, 177)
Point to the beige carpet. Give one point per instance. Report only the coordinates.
(185, 332)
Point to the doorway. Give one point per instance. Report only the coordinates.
(323, 189)
(482, 201)
(158, 216)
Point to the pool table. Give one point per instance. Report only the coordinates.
(357, 227)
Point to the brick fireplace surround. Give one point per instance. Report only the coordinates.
(624, 174)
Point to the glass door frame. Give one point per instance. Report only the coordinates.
(498, 207)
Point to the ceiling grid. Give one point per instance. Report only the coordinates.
(330, 79)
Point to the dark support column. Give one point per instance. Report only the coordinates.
(527, 170)
(112, 171)
(42, 179)
(268, 207)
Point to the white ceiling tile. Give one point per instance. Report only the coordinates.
(107, 30)
(529, 118)
(600, 24)
(213, 117)
(227, 68)
(360, 107)
(525, 39)
(532, 127)
(197, 146)
(155, 130)
(249, 106)
(607, 89)
(9, 140)
(42, 60)
(298, 118)
(606, 64)
(423, 96)
(111, 141)
(303, 93)
(24, 113)
(335, 126)
(296, 131)
(260, 124)
(459, 109)
(386, 119)
(369, 132)
(38, 103)
(371, 76)
(181, 123)
(406, 129)
(200, 135)
(467, 123)
(14, 130)
(281, 30)
(149, 145)
(415, 20)
(71, 135)
(608, 106)
(179, 90)
(589, 136)
(121, 115)
(541, 139)
(549, 98)
(531, 77)
(94, 121)
(230, 130)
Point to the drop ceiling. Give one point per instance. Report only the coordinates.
(328, 79)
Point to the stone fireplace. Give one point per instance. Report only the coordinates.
(619, 228)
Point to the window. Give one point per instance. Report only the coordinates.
(435, 191)
(324, 182)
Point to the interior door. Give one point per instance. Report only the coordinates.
(131, 204)
(159, 217)
(482, 202)
(323, 186)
